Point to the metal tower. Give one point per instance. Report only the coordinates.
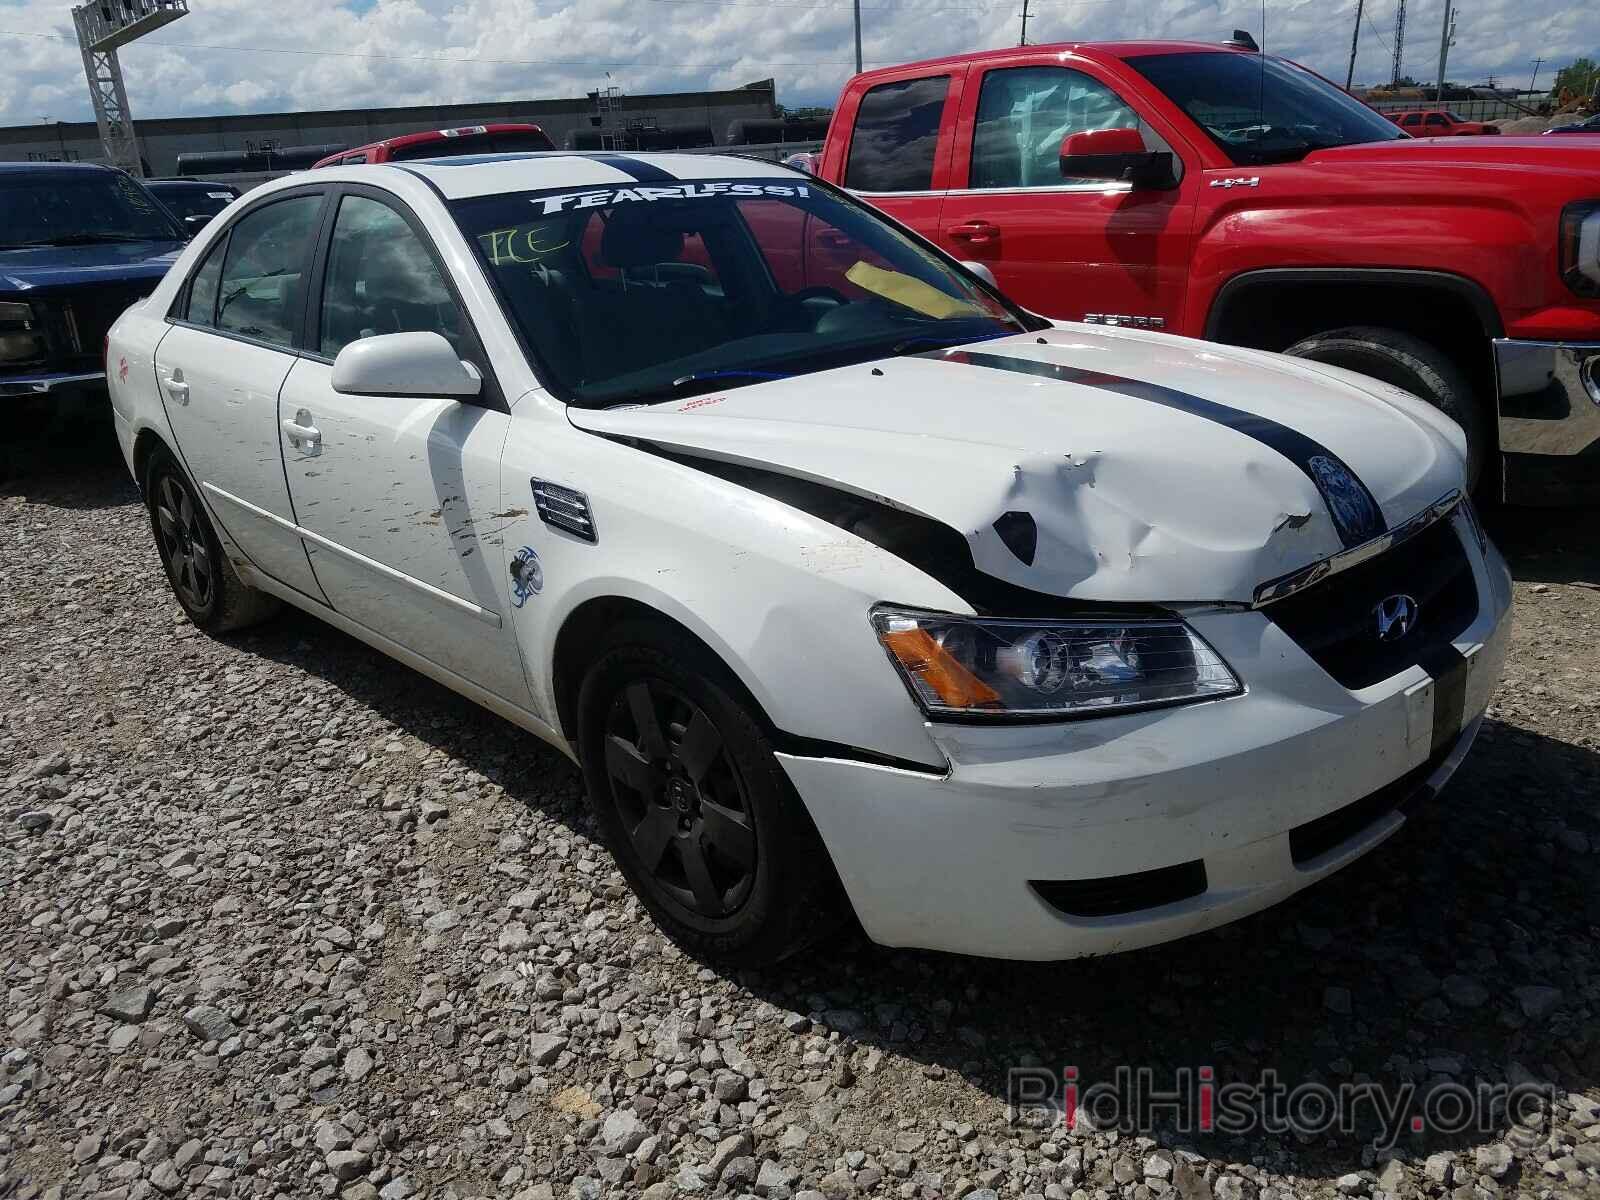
(1399, 42)
(103, 25)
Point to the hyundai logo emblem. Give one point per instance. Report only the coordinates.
(1396, 617)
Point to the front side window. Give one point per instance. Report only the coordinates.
(896, 136)
(649, 294)
(381, 279)
(1261, 110)
(1437, 119)
(78, 208)
(1025, 113)
(1412, 119)
(263, 278)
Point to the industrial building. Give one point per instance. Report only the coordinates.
(619, 117)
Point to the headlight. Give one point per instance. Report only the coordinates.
(1580, 247)
(984, 667)
(21, 339)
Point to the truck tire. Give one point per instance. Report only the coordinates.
(693, 804)
(203, 581)
(1417, 366)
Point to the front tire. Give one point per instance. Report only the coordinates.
(203, 581)
(1416, 366)
(693, 804)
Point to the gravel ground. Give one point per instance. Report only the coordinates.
(283, 919)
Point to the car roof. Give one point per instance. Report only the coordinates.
(1102, 50)
(493, 174)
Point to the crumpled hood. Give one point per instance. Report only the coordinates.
(1134, 498)
(45, 267)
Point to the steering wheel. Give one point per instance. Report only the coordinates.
(819, 293)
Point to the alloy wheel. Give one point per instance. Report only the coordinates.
(681, 799)
(184, 546)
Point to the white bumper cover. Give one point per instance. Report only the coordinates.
(945, 862)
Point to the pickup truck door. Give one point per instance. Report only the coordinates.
(220, 368)
(899, 150)
(399, 496)
(1065, 248)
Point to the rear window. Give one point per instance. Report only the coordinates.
(896, 136)
(511, 142)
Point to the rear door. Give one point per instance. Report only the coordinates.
(898, 158)
(235, 327)
(399, 496)
(1065, 248)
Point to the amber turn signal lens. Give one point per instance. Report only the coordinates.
(924, 660)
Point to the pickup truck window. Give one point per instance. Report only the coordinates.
(1261, 110)
(1023, 115)
(1412, 120)
(797, 280)
(896, 134)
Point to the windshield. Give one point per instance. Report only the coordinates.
(70, 208)
(647, 293)
(1262, 110)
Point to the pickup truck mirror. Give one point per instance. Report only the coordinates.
(1116, 154)
(404, 364)
(195, 222)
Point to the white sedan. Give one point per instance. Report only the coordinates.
(849, 584)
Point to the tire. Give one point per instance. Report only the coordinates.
(696, 810)
(202, 579)
(1417, 366)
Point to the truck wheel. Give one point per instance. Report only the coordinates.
(694, 806)
(1418, 367)
(202, 578)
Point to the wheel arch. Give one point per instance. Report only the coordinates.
(145, 444)
(1271, 284)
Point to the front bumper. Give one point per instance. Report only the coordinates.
(1549, 396)
(1251, 798)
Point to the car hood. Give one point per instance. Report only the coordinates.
(45, 267)
(1154, 468)
(1489, 153)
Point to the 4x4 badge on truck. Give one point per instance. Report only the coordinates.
(1233, 181)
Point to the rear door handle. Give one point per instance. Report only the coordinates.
(976, 232)
(177, 389)
(302, 434)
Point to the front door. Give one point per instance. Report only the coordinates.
(400, 496)
(1064, 248)
(220, 369)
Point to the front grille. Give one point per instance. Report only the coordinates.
(77, 322)
(1315, 838)
(1335, 621)
(1112, 895)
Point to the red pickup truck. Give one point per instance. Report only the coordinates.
(1213, 191)
(444, 143)
(1438, 122)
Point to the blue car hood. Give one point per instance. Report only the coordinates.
(53, 267)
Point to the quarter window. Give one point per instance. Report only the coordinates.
(896, 136)
(381, 279)
(1025, 113)
(263, 278)
(202, 307)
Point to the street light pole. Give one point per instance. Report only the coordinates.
(858, 36)
(1355, 36)
(1444, 51)
(1023, 41)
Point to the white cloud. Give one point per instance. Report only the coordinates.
(546, 47)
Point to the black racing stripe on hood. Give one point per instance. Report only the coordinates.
(641, 172)
(1354, 510)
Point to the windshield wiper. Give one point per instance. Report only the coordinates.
(703, 376)
(87, 239)
(962, 339)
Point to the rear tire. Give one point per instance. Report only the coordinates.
(1418, 367)
(203, 581)
(693, 804)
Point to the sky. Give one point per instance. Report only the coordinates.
(242, 56)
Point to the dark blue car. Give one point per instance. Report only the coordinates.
(78, 244)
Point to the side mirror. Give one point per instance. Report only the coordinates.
(1116, 155)
(194, 223)
(404, 364)
(982, 272)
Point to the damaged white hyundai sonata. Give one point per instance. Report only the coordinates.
(850, 585)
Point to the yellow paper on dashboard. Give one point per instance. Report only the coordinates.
(910, 293)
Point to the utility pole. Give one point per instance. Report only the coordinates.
(1023, 41)
(1535, 75)
(858, 37)
(1399, 43)
(1446, 36)
(1355, 35)
(101, 29)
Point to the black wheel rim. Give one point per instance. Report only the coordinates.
(183, 545)
(681, 800)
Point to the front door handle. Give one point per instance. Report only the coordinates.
(302, 434)
(177, 389)
(976, 232)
